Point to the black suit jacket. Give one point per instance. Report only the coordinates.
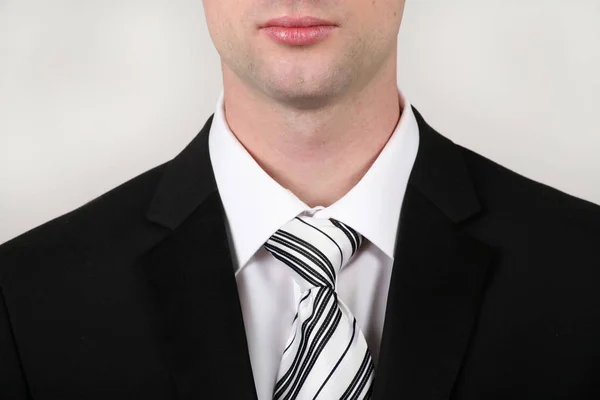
(495, 290)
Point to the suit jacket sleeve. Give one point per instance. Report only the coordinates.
(12, 379)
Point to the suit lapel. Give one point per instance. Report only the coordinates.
(191, 271)
(437, 279)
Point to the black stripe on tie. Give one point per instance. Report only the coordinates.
(363, 382)
(339, 361)
(300, 302)
(357, 236)
(308, 245)
(316, 272)
(299, 363)
(312, 279)
(306, 329)
(309, 364)
(294, 320)
(307, 325)
(369, 392)
(348, 234)
(337, 245)
(358, 375)
(327, 268)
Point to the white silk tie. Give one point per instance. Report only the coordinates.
(326, 355)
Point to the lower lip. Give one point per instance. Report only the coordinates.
(299, 36)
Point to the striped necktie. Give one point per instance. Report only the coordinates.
(326, 355)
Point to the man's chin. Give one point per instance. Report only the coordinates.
(301, 96)
(303, 100)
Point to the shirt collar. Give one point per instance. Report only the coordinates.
(256, 205)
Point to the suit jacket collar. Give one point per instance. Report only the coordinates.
(437, 280)
(435, 290)
(187, 181)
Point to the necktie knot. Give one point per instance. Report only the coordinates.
(316, 249)
(326, 354)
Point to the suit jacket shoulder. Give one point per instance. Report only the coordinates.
(541, 299)
(531, 213)
(112, 223)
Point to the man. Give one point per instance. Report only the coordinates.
(317, 239)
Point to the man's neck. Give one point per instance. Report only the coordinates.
(319, 155)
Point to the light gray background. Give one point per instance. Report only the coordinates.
(93, 93)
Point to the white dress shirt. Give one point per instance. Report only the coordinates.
(256, 206)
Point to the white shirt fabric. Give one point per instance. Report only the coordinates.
(256, 206)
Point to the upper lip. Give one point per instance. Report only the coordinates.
(296, 22)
